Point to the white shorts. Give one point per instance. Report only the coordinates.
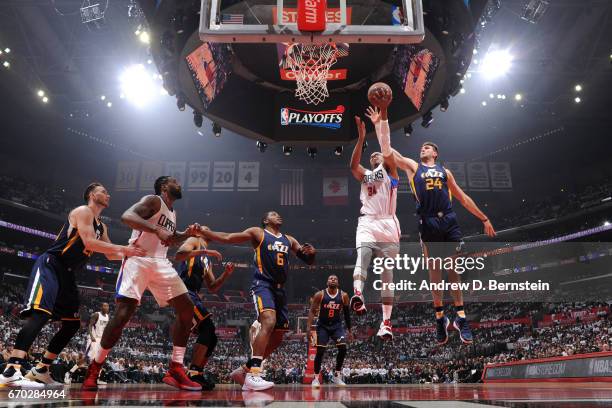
(379, 233)
(92, 348)
(156, 274)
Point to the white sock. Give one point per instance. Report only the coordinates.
(386, 309)
(101, 356)
(358, 285)
(178, 354)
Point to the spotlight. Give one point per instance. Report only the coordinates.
(41, 93)
(606, 223)
(578, 88)
(491, 96)
(109, 104)
(462, 90)
(518, 97)
(499, 96)
(138, 86)
(7, 50)
(427, 120)
(365, 146)
(444, 105)
(338, 150)
(197, 119)
(216, 128)
(45, 99)
(287, 150)
(496, 63)
(144, 37)
(180, 102)
(408, 130)
(312, 152)
(103, 97)
(577, 99)
(484, 103)
(261, 146)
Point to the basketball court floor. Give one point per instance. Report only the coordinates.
(524, 395)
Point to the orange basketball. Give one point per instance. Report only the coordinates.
(374, 100)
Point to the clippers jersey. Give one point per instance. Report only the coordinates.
(148, 241)
(101, 323)
(272, 258)
(378, 193)
(191, 272)
(329, 312)
(68, 247)
(430, 189)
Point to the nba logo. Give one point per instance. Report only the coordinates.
(284, 116)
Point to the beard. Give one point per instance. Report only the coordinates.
(177, 194)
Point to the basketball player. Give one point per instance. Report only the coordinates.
(271, 264)
(52, 291)
(378, 230)
(195, 269)
(434, 187)
(327, 305)
(153, 221)
(97, 323)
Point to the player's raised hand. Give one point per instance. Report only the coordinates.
(229, 268)
(373, 114)
(193, 230)
(488, 228)
(215, 254)
(360, 127)
(308, 249)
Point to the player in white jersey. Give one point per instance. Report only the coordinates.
(97, 323)
(378, 231)
(154, 223)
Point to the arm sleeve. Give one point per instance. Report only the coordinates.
(347, 317)
(383, 133)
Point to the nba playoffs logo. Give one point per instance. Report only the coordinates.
(330, 119)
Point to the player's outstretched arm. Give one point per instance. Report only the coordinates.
(380, 120)
(405, 163)
(469, 204)
(253, 234)
(305, 252)
(314, 306)
(82, 218)
(214, 284)
(356, 168)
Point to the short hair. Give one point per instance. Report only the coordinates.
(89, 189)
(265, 216)
(432, 144)
(161, 181)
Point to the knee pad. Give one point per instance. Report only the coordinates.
(64, 335)
(30, 329)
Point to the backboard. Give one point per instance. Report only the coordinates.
(347, 21)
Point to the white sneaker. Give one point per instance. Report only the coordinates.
(100, 382)
(337, 379)
(256, 383)
(315, 382)
(18, 380)
(45, 378)
(238, 375)
(384, 332)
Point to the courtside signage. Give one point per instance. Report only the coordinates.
(330, 119)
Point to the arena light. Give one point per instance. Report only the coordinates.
(427, 120)
(491, 95)
(484, 103)
(45, 99)
(144, 37)
(109, 104)
(197, 119)
(444, 105)
(261, 146)
(606, 223)
(338, 151)
(6, 64)
(578, 88)
(216, 128)
(287, 150)
(312, 152)
(180, 102)
(462, 90)
(408, 130)
(102, 97)
(40, 93)
(496, 63)
(7, 50)
(518, 97)
(577, 99)
(138, 85)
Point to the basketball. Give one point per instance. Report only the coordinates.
(372, 91)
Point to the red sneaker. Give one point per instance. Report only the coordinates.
(91, 377)
(177, 377)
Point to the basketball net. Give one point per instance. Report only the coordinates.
(310, 64)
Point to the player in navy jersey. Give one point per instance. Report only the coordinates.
(270, 268)
(52, 291)
(327, 305)
(434, 188)
(195, 270)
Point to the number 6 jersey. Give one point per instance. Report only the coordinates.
(378, 192)
(272, 258)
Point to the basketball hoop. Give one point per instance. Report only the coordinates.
(311, 63)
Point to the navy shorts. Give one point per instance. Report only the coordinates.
(335, 333)
(268, 296)
(441, 235)
(200, 313)
(52, 289)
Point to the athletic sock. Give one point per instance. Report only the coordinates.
(101, 356)
(358, 286)
(254, 363)
(386, 311)
(460, 312)
(439, 312)
(178, 354)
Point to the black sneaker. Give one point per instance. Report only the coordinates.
(463, 327)
(442, 330)
(204, 380)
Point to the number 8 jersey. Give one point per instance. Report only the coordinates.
(272, 258)
(378, 192)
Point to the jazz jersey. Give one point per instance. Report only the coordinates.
(271, 259)
(331, 307)
(430, 189)
(378, 193)
(192, 271)
(69, 248)
(164, 218)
